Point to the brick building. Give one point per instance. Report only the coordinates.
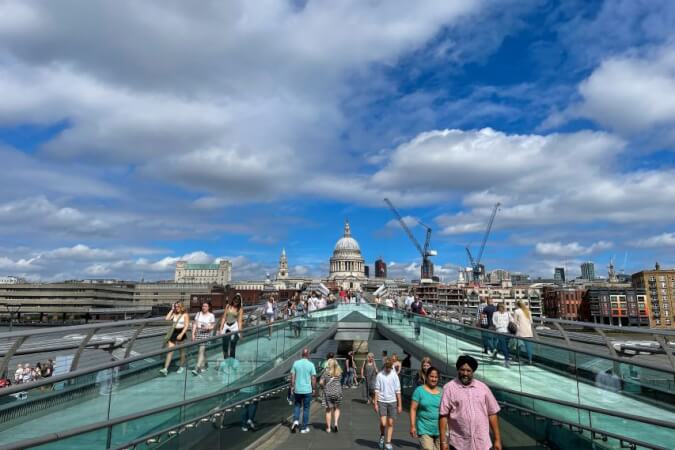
(659, 288)
(564, 303)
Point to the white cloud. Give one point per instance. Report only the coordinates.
(661, 240)
(570, 249)
(410, 221)
(632, 93)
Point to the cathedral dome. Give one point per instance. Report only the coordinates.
(347, 264)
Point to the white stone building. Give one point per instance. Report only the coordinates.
(347, 266)
(220, 273)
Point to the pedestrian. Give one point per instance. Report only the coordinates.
(322, 369)
(406, 363)
(387, 402)
(303, 384)
(312, 303)
(202, 328)
(417, 308)
(299, 314)
(396, 363)
(27, 375)
(270, 314)
(231, 326)
(350, 370)
(421, 375)
(485, 313)
(288, 310)
(501, 320)
(47, 369)
(385, 355)
(332, 394)
(523, 320)
(424, 407)
(468, 411)
(389, 303)
(18, 375)
(369, 374)
(180, 322)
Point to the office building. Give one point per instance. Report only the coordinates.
(220, 273)
(559, 275)
(588, 271)
(380, 269)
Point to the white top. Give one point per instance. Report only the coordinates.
(205, 321)
(270, 307)
(409, 300)
(179, 320)
(523, 323)
(387, 386)
(389, 302)
(501, 321)
(312, 304)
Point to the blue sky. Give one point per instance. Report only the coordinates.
(140, 133)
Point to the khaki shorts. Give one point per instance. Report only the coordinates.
(387, 409)
(430, 442)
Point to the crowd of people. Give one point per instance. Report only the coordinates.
(25, 373)
(505, 324)
(231, 325)
(460, 415)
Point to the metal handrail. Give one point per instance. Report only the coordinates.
(592, 409)
(643, 364)
(594, 431)
(52, 437)
(90, 329)
(80, 372)
(220, 409)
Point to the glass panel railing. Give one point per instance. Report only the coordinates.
(219, 424)
(137, 384)
(555, 372)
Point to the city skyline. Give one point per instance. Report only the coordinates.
(242, 128)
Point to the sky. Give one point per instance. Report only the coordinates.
(135, 134)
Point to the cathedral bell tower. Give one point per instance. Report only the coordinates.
(283, 266)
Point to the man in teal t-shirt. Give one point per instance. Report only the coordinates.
(303, 382)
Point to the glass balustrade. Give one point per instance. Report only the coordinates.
(138, 385)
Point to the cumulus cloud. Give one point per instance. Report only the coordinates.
(633, 93)
(661, 240)
(199, 111)
(570, 249)
(539, 179)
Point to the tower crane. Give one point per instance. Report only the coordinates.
(478, 269)
(427, 270)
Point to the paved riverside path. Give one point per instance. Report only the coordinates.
(358, 429)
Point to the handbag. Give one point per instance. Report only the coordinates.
(512, 328)
(170, 332)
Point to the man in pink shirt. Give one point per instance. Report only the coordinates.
(468, 411)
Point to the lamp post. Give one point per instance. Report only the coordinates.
(11, 313)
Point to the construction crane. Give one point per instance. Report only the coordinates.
(478, 268)
(427, 270)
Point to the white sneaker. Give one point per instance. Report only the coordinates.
(180, 370)
(304, 430)
(294, 426)
(381, 443)
(244, 428)
(251, 425)
(164, 372)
